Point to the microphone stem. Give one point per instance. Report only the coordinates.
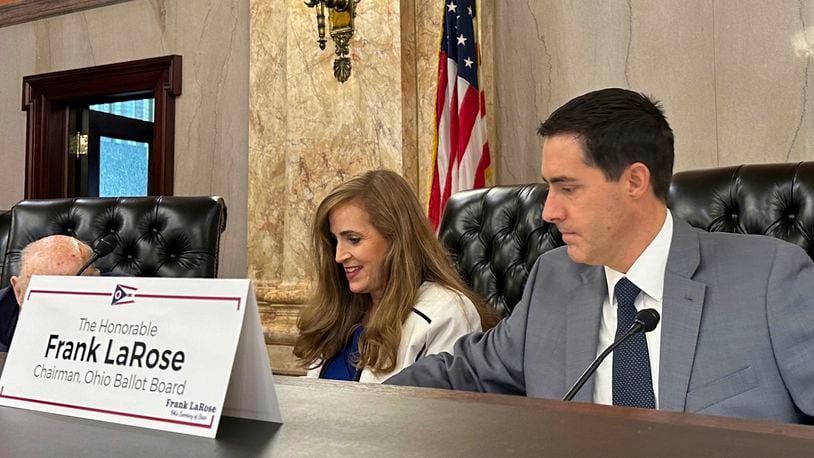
(87, 264)
(636, 327)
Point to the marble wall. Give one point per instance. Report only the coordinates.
(211, 125)
(734, 77)
(308, 132)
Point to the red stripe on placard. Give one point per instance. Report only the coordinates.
(200, 298)
(74, 293)
(109, 412)
(136, 295)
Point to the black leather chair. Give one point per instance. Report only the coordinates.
(768, 199)
(158, 236)
(5, 225)
(494, 235)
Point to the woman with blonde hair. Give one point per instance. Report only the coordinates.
(386, 293)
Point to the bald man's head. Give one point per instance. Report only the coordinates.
(52, 255)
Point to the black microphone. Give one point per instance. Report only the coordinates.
(101, 248)
(646, 320)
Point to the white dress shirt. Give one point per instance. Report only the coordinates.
(647, 272)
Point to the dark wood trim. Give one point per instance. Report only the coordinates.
(20, 11)
(47, 99)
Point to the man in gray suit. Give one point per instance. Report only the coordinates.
(736, 336)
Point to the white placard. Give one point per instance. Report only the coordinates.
(151, 352)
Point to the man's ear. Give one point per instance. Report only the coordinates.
(638, 178)
(15, 284)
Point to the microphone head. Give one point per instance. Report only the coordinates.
(105, 245)
(648, 318)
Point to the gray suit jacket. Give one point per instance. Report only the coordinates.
(737, 333)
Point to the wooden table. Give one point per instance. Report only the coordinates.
(324, 418)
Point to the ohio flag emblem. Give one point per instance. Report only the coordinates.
(123, 295)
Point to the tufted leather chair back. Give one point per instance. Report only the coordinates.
(5, 225)
(494, 235)
(768, 199)
(158, 236)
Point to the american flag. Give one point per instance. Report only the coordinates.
(461, 156)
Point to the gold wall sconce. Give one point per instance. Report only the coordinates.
(340, 15)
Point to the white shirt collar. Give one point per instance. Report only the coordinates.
(647, 272)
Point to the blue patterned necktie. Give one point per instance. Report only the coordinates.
(632, 382)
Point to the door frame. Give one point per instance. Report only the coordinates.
(47, 99)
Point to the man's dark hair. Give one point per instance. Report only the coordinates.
(618, 127)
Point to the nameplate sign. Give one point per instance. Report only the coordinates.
(164, 353)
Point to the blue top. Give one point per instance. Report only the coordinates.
(341, 366)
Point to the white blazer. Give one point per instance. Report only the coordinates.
(440, 316)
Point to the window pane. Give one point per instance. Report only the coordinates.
(136, 109)
(122, 167)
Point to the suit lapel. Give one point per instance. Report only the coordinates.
(682, 301)
(584, 312)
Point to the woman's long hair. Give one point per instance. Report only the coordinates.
(415, 256)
